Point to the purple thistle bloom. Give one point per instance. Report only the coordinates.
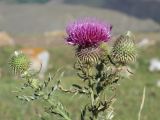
(88, 32)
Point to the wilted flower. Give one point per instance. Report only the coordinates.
(124, 49)
(88, 32)
(19, 62)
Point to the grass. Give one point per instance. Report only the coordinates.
(129, 93)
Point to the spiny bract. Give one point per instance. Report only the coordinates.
(124, 49)
(19, 62)
(88, 55)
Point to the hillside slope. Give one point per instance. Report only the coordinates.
(39, 18)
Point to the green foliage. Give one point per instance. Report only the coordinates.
(129, 93)
(92, 68)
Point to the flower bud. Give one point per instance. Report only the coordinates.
(19, 62)
(104, 53)
(124, 49)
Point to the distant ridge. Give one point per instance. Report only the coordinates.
(41, 18)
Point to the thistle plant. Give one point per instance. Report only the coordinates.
(20, 63)
(97, 66)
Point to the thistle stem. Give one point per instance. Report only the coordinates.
(61, 112)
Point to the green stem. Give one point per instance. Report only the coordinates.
(92, 97)
(61, 112)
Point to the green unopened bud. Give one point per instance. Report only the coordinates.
(104, 53)
(124, 49)
(19, 62)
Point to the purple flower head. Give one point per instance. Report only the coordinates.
(88, 32)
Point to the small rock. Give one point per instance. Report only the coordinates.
(39, 59)
(145, 43)
(154, 65)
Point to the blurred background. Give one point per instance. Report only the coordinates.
(39, 26)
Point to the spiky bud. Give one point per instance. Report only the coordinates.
(88, 55)
(124, 49)
(19, 62)
(105, 52)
